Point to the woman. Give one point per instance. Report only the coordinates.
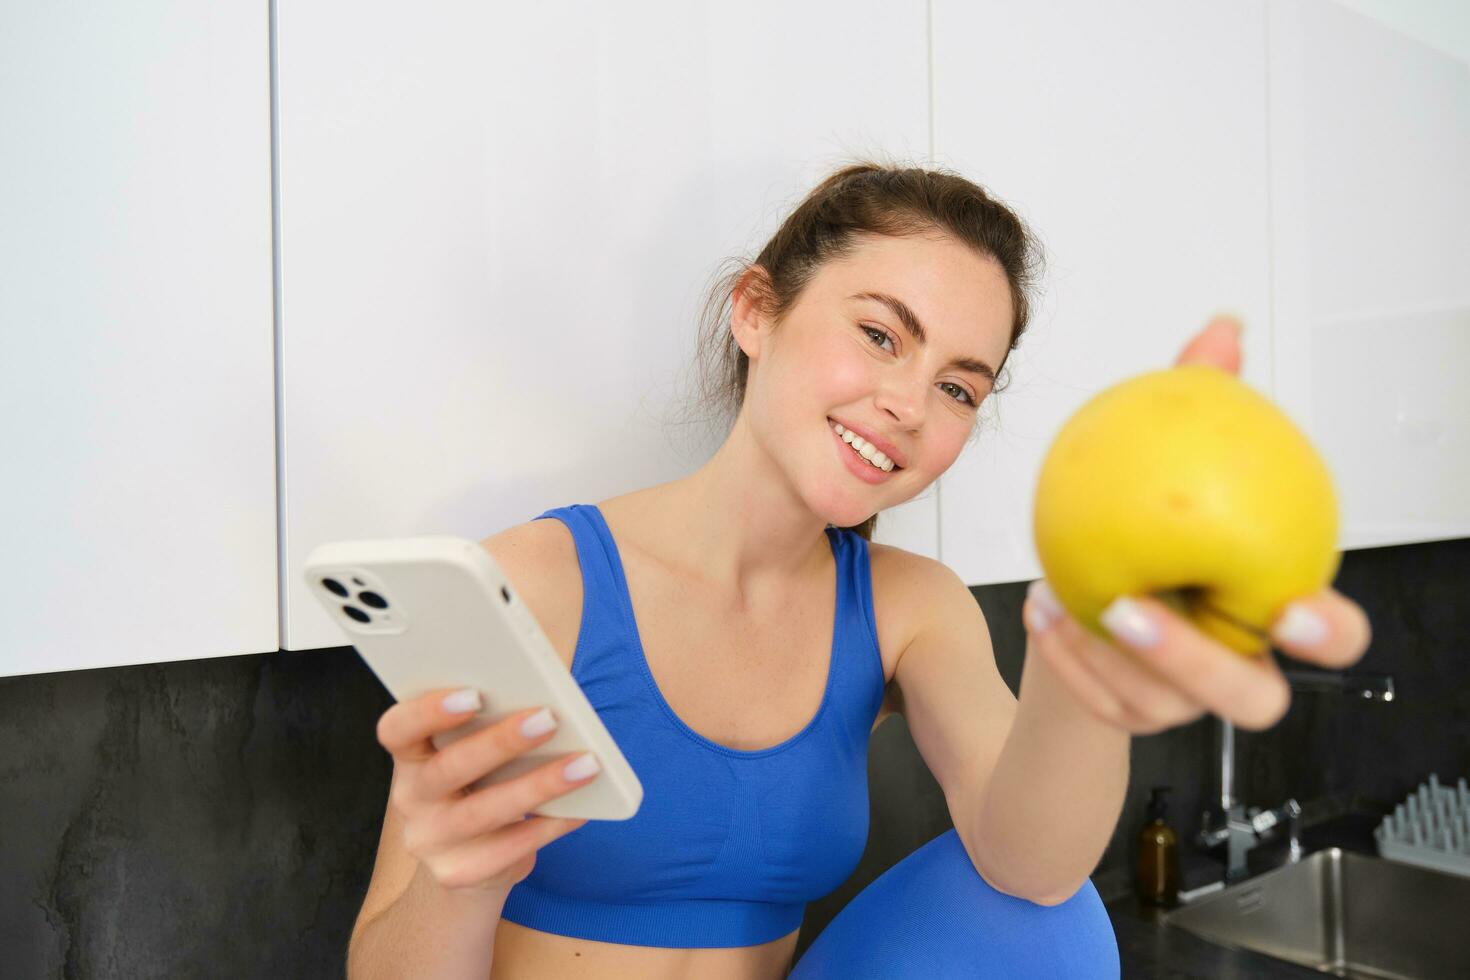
(741, 636)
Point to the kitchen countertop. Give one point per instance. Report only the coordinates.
(1148, 948)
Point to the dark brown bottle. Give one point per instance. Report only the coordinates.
(1158, 855)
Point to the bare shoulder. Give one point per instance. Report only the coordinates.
(908, 579)
(540, 559)
(910, 591)
(895, 600)
(915, 576)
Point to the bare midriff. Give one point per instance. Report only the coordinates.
(529, 954)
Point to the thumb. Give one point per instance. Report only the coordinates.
(1218, 344)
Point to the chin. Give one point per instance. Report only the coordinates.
(841, 516)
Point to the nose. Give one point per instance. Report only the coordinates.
(904, 399)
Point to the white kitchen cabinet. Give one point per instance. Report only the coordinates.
(497, 223)
(1132, 138)
(136, 362)
(1370, 220)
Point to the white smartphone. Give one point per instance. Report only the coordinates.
(434, 612)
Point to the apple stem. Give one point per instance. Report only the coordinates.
(1189, 601)
(1183, 600)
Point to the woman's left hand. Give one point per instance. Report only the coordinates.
(1169, 673)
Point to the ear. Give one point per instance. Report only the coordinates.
(748, 322)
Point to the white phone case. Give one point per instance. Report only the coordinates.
(438, 612)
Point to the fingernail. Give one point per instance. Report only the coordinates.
(581, 767)
(1044, 609)
(1126, 620)
(467, 699)
(538, 724)
(1300, 627)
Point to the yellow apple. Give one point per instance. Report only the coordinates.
(1188, 485)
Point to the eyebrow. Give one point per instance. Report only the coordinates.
(911, 323)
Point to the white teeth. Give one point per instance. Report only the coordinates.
(864, 448)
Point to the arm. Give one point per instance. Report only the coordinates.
(1034, 786)
(1056, 793)
(410, 925)
(428, 931)
(1057, 775)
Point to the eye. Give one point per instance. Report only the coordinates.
(968, 399)
(874, 330)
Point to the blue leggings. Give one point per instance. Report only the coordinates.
(932, 916)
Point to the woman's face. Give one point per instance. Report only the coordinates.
(847, 354)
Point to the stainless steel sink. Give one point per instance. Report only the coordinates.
(1346, 914)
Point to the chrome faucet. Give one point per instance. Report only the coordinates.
(1240, 830)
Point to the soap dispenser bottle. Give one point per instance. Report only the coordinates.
(1158, 855)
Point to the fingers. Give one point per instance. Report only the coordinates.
(482, 839)
(498, 805)
(456, 766)
(1327, 629)
(501, 858)
(1153, 703)
(1247, 691)
(1095, 696)
(1115, 686)
(406, 729)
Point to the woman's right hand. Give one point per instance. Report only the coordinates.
(481, 840)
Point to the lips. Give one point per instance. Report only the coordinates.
(882, 445)
(857, 466)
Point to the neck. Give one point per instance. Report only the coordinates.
(738, 524)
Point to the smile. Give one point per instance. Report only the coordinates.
(863, 449)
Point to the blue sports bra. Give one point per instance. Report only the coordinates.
(728, 846)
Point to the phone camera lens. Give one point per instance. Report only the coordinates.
(335, 587)
(357, 614)
(372, 599)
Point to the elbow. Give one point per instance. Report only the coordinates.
(1057, 898)
(1047, 900)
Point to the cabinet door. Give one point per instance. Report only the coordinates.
(1132, 137)
(497, 225)
(1370, 150)
(136, 365)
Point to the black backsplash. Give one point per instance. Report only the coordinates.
(219, 817)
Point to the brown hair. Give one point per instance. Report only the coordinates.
(861, 199)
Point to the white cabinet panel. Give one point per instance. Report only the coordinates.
(1132, 138)
(136, 364)
(1370, 146)
(1442, 24)
(497, 223)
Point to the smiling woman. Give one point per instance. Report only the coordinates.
(940, 274)
(740, 635)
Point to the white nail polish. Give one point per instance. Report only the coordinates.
(538, 724)
(1036, 619)
(1041, 594)
(1300, 627)
(466, 699)
(1126, 620)
(581, 767)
